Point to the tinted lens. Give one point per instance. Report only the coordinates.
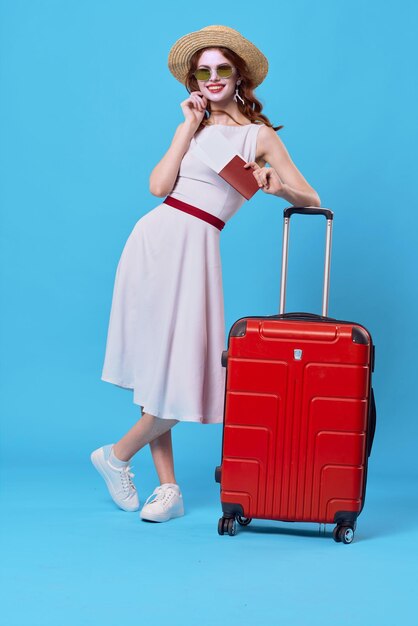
(202, 74)
(223, 71)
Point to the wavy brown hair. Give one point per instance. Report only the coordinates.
(251, 108)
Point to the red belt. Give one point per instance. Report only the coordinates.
(189, 208)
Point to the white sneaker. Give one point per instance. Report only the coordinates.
(163, 504)
(118, 479)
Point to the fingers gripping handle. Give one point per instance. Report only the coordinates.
(287, 213)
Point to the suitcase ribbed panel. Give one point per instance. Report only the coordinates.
(252, 430)
(295, 426)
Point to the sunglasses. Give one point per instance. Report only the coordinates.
(223, 71)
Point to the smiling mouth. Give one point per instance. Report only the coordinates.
(215, 88)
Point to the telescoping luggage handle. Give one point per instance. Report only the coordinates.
(287, 213)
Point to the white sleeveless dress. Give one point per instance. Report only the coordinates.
(167, 330)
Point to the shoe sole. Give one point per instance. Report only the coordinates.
(160, 518)
(98, 460)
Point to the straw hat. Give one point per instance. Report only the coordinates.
(181, 52)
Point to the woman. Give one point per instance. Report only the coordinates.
(166, 330)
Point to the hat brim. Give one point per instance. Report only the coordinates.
(182, 50)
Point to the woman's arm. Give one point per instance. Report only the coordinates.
(164, 174)
(283, 178)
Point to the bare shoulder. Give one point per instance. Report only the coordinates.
(268, 142)
(179, 128)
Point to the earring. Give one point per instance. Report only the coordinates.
(236, 96)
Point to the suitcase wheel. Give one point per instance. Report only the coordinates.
(344, 534)
(243, 521)
(227, 525)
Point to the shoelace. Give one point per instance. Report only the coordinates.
(126, 478)
(159, 494)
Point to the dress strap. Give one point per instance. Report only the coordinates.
(253, 140)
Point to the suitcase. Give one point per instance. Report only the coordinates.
(299, 414)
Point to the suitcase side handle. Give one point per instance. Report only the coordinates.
(329, 215)
(372, 421)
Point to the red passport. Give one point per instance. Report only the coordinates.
(240, 178)
(218, 153)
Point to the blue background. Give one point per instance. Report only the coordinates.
(87, 108)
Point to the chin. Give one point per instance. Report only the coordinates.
(221, 97)
(224, 100)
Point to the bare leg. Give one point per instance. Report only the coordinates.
(144, 431)
(162, 454)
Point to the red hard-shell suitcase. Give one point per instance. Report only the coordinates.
(299, 414)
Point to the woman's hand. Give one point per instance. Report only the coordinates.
(267, 178)
(194, 108)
